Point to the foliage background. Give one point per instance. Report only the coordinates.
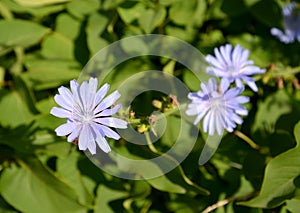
(45, 43)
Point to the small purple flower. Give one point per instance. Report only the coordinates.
(219, 105)
(88, 114)
(291, 19)
(233, 65)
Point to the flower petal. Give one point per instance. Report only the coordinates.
(102, 143)
(101, 93)
(85, 137)
(60, 112)
(75, 133)
(112, 122)
(65, 103)
(108, 101)
(65, 129)
(109, 112)
(110, 133)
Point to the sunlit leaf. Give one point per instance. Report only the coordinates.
(33, 188)
(106, 195)
(38, 3)
(21, 33)
(278, 184)
(151, 19)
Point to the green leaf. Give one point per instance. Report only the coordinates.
(187, 34)
(57, 46)
(13, 109)
(269, 111)
(96, 24)
(177, 182)
(35, 11)
(151, 19)
(293, 205)
(33, 188)
(190, 12)
(106, 195)
(80, 8)
(20, 33)
(111, 4)
(164, 184)
(278, 184)
(45, 74)
(39, 3)
(128, 15)
(67, 26)
(67, 168)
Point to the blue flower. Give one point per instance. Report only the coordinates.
(219, 105)
(233, 65)
(88, 114)
(291, 19)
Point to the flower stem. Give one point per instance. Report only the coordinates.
(185, 178)
(247, 139)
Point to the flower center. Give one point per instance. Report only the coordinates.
(87, 116)
(216, 101)
(82, 115)
(233, 71)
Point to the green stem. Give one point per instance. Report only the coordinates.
(247, 139)
(185, 178)
(288, 71)
(5, 12)
(161, 116)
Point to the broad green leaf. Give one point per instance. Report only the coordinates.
(187, 34)
(39, 3)
(96, 24)
(278, 184)
(106, 195)
(128, 15)
(192, 82)
(13, 109)
(269, 111)
(188, 12)
(45, 74)
(80, 9)
(5, 207)
(67, 169)
(45, 105)
(162, 183)
(151, 19)
(21, 33)
(111, 4)
(33, 188)
(293, 205)
(57, 46)
(177, 182)
(139, 191)
(67, 26)
(35, 11)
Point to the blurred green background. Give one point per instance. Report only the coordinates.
(45, 43)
